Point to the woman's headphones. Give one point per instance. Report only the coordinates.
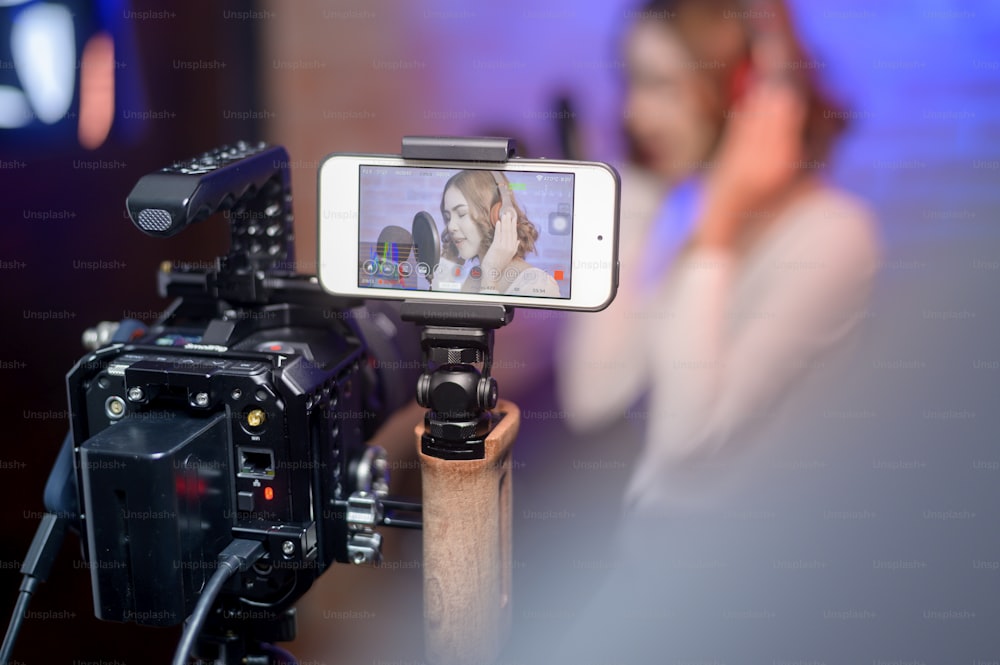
(739, 81)
(498, 208)
(768, 27)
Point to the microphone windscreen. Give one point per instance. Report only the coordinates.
(394, 244)
(426, 239)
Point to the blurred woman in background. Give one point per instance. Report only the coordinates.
(756, 265)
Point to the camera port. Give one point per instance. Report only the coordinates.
(114, 407)
(256, 418)
(253, 420)
(255, 462)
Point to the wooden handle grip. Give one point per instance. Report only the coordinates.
(467, 549)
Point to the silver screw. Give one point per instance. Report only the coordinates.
(201, 399)
(288, 548)
(359, 558)
(135, 394)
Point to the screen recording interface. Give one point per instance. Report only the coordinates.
(414, 235)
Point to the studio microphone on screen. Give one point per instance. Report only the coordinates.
(426, 239)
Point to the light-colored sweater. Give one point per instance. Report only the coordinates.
(722, 337)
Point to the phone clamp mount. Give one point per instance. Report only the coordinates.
(464, 445)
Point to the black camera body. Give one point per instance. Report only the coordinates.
(182, 450)
(242, 413)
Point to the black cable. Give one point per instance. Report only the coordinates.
(20, 608)
(238, 555)
(36, 568)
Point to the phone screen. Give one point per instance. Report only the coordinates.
(432, 229)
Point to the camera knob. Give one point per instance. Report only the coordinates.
(423, 395)
(487, 390)
(372, 475)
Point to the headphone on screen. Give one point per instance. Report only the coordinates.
(505, 203)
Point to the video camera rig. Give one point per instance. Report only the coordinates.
(216, 463)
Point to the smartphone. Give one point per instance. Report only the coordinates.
(526, 233)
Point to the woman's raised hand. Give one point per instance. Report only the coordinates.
(760, 154)
(502, 249)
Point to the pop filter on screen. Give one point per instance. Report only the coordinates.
(426, 239)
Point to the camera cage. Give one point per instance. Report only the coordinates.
(464, 443)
